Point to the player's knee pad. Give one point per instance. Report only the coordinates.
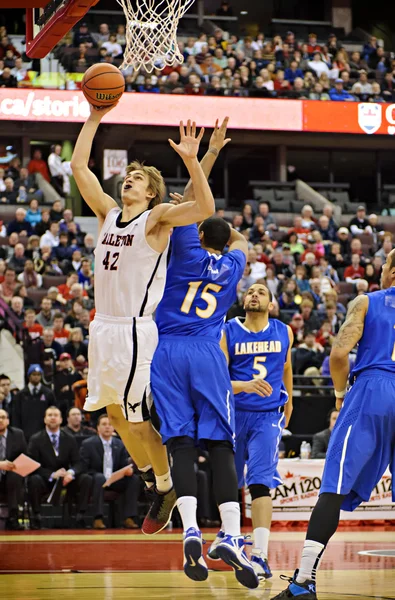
(220, 444)
(182, 442)
(258, 490)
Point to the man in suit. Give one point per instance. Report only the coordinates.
(321, 439)
(101, 456)
(30, 404)
(75, 428)
(5, 387)
(58, 454)
(12, 444)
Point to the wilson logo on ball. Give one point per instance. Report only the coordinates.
(101, 96)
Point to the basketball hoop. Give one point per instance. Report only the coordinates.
(151, 33)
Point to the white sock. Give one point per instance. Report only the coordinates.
(148, 484)
(230, 517)
(187, 506)
(311, 557)
(164, 483)
(261, 540)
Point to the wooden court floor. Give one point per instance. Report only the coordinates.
(117, 565)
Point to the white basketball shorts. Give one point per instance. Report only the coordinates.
(120, 355)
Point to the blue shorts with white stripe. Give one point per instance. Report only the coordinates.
(191, 388)
(362, 444)
(258, 435)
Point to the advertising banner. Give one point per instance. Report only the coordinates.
(296, 497)
(349, 117)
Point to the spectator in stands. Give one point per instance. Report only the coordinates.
(7, 288)
(19, 71)
(56, 212)
(386, 248)
(29, 277)
(34, 329)
(225, 10)
(51, 237)
(20, 225)
(372, 278)
(83, 36)
(58, 175)
(85, 273)
(12, 444)
(10, 194)
(33, 215)
(338, 93)
(75, 347)
(362, 86)
(16, 306)
(310, 343)
(103, 35)
(327, 231)
(38, 165)
(370, 48)
(17, 261)
(321, 439)
(297, 326)
(318, 93)
(345, 76)
(46, 314)
(65, 377)
(388, 87)
(49, 343)
(318, 65)
(282, 270)
(345, 247)
(359, 224)
(308, 222)
(355, 270)
(356, 63)
(258, 269)
(101, 456)
(312, 47)
(7, 80)
(74, 425)
(293, 71)
(5, 390)
(112, 46)
(63, 252)
(83, 324)
(43, 226)
(65, 288)
(61, 335)
(269, 221)
(29, 183)
(311, 322)
(57, 452)
(30, 404)
(5, 44)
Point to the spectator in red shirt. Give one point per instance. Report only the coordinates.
(65, 288)
(280, 83)
(298, 228)
(38, 165)
(312, 45)
(355, 270)
(61, 335)
(325, 335)
(35, 329)
(311, 247)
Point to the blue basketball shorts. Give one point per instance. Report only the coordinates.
(362, 444)
(191, 389)
(258, 436)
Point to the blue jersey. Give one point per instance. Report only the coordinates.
(376, 349)
(258, 355)
(200, 287)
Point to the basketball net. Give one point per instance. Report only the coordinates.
(151, 33)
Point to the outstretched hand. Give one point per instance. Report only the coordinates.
(98, 112)
(218, 140)
(188, 147)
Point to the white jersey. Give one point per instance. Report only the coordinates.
(130, 276)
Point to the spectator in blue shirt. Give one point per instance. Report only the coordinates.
(33, 215)
(338, 93)
(85, 273)
(292, 72)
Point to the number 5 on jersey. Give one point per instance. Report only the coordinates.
(208, 297)
(258, 366)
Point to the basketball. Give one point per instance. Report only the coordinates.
(103, 84)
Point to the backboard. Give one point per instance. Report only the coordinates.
(46, 27)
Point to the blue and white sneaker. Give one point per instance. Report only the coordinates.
(194, 566)
(261, 565)
(304, 591)
(231, 551)
(212, 551)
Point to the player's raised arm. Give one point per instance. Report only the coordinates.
(349, 335)
(86, 181)
(203, 206)
(288, 379)
(237, 241)
(218, 141)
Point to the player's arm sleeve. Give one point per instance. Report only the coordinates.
(236, 260)
(349, 335)
(185, 240)
(288, 379)
(224, 345)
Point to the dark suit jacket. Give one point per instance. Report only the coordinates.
(28, 411)
(41, 449)
(15, 444)
(320, 444)
(92, 453)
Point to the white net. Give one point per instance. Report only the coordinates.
(151, 33)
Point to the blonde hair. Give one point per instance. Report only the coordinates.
(156, 183)
(75, 331)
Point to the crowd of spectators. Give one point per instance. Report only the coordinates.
(223, 64)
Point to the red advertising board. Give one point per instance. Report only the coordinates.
(167, 110)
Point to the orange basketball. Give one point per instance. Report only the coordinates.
(103, 84)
